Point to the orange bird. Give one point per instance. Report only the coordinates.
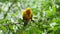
(27, 15)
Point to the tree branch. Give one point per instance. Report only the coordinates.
(9, 24)
(9, 9)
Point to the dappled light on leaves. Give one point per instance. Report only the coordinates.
(45, 20)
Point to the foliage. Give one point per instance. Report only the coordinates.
(45, 15)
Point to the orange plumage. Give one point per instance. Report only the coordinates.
(27, 15)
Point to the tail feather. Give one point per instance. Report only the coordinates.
(25, 23)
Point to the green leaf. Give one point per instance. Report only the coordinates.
(3, 28)
(48, 13)
(54, 9)
(12, 15)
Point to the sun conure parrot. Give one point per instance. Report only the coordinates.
(27, 15)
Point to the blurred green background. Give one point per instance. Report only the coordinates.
(46, 14)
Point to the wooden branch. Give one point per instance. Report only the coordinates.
(9, 9)
(9, 24)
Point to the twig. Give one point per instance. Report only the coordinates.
(9, 24)
(8, 9)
